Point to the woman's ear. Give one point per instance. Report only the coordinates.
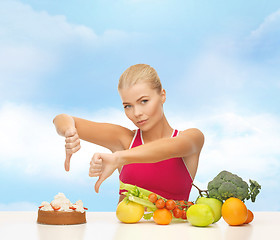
(163, 96)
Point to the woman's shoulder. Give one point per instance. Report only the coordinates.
(127, 137)
(191, 131)
(194, 134)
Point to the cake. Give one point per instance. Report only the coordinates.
(61, 212)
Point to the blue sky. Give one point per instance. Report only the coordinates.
(218, 61)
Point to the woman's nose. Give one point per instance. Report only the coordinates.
(137, 111)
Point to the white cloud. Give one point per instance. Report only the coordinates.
(18, 206)
(243, 144)
(34, 44)
(22, 24)
(247, 145)
(216, 78)
(213, 70)
(236, 71)
(263, 42)
(30, 144)
(237, 143)
(269, 25)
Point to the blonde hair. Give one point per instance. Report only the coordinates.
(140, 73)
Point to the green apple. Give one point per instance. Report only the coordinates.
(215, 204)
(200, 215)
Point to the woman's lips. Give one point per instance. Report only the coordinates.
(141, 122)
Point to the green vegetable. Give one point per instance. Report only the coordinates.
(148, 216)
(226, 185)
(137, 191)
(254, 190)
(140, 196)
(144, 202)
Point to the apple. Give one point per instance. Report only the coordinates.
(129, 212)
(215, 204)
(200, 215)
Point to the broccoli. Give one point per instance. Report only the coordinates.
(226, 185)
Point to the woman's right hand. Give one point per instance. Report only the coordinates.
(72, 145)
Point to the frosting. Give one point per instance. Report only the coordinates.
(46, 206)
(61, 203)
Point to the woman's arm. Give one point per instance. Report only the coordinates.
(111, 136)
(189, 142)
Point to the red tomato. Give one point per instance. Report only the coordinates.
(177, 212)
(170, 204)
(184, 214)
(152, 197)
(189, 204)
(160, 203)
(182, 202)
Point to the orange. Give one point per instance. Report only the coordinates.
(234, 211)
(250, 217)
(162, 216)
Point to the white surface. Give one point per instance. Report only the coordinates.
(105, 225)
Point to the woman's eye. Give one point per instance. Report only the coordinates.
(127, 106)
(144, 101)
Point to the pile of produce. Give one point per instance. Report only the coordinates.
(162, 211)
(224, 197)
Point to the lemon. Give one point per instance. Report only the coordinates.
(200, 215)
(129, 212)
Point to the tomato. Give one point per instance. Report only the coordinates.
(160, 203)
(170, 204)
(184, 214)
(189, 204)
(182, 202)
(177, 212)
(152, 197)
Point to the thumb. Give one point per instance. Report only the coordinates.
(67, 161)
(98, 183)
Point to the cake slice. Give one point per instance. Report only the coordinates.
(61, 212)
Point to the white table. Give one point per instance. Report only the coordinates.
(105, 225)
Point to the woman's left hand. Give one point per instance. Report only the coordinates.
(102, 165)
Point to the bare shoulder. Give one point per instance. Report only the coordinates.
(126, 136)
(194, 135)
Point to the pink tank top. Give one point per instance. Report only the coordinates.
(168, 178)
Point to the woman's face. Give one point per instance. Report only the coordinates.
(143, 105)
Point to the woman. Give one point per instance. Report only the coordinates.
(155, 156)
